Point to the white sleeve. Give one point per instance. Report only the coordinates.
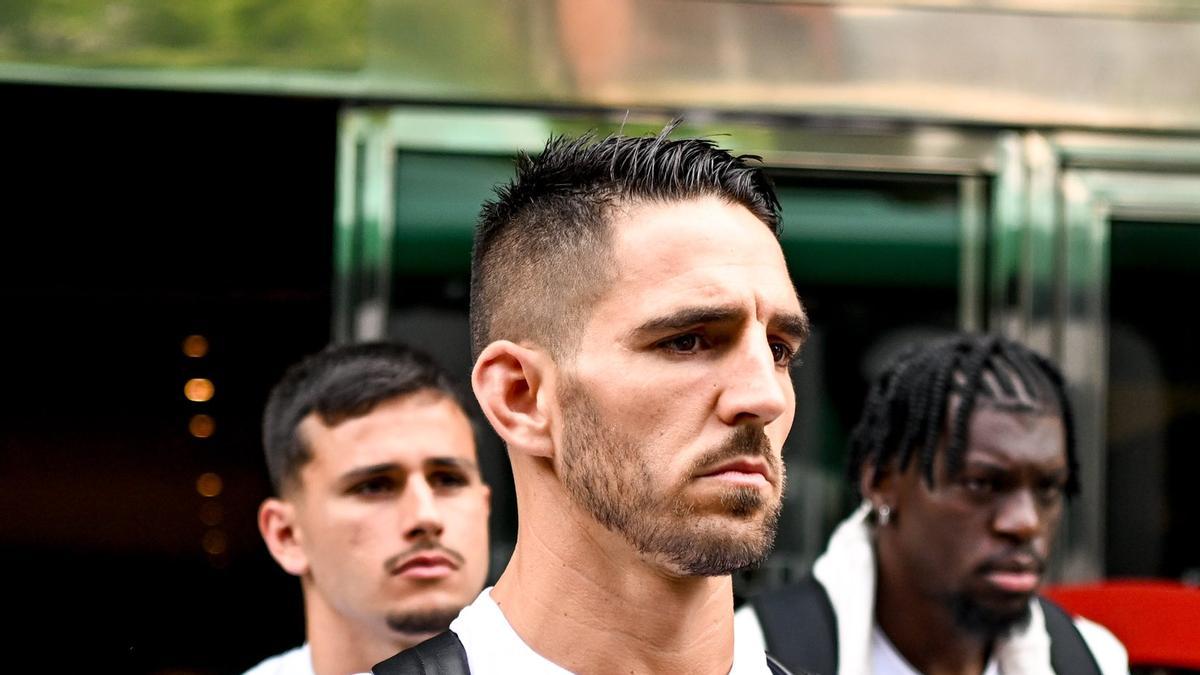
(1108, 651)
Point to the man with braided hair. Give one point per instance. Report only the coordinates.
(964, 457)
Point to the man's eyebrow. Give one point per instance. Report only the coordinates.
(452, 463)
(985, 464)
(368, 471)
(389, 467)
(688, 317)
(795, 325)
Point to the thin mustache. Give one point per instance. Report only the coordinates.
(744, 441)
(420, 547)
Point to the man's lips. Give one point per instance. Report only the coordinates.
(1014, 582)
(425, 566)
(1021, 574)
(741, 471)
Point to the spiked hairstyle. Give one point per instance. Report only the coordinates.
(907, 405)
(340, 383)
(542, 247)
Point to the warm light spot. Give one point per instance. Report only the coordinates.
(211, 513)
(195, 346)
(202, 426)
(209, 484)
(214, 542)
(198, 389)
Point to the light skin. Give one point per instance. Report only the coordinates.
(691, 343)
(983, 535)
(386, 526)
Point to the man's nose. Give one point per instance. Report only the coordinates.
(421, 516)
(753, 389)
(1018, 516)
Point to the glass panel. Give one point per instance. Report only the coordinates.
(1154, 401)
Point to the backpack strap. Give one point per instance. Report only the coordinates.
(442, 654)
(799, 626)
(1069, 653)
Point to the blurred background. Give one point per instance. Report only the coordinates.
(201, 192)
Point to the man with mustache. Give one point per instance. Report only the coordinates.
(634, 324)
(964, 457)
(381, 510)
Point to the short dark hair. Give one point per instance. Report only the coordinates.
(906, 407)
(340, 383)
(541, 255)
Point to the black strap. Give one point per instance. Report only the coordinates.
(442, 654)
(1069, 653)
(800, 627)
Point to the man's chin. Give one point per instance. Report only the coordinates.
(421, 621)
(993, 616)
(718, 543)
(749, 504)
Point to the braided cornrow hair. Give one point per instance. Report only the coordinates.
(906, 407)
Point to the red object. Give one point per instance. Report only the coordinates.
(1157, 620)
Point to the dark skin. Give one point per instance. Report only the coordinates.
(978, 539)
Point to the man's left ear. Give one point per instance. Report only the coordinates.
(877, 484)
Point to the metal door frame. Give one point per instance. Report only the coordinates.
(1056, 196)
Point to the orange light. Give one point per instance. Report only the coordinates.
(214, 542)
(198, 389)
(209, 484)
(202, 426)
(195, 346)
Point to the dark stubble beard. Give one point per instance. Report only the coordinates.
(986, 622)
(422, 622)
(978, 617)
(606, 473)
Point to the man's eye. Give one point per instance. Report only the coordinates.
(373, 486)
(784, 354)
(1051, 493)
(445, 479)
(687, 343)
(979, 486)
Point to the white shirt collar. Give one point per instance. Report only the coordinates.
(494, 648)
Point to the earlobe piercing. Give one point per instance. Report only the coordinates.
(883, 515)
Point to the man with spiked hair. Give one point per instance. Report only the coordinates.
(633, 324)
(964, 456)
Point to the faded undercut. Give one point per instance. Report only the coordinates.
(542, 254)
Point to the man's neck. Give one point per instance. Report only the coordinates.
(340, 647)
(908, 621)
(585, 601)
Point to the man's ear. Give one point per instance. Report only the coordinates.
(277, 523)
(877, 485)
(510, 383)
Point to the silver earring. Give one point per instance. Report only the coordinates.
(883, 515)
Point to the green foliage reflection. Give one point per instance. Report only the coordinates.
(302, 34)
